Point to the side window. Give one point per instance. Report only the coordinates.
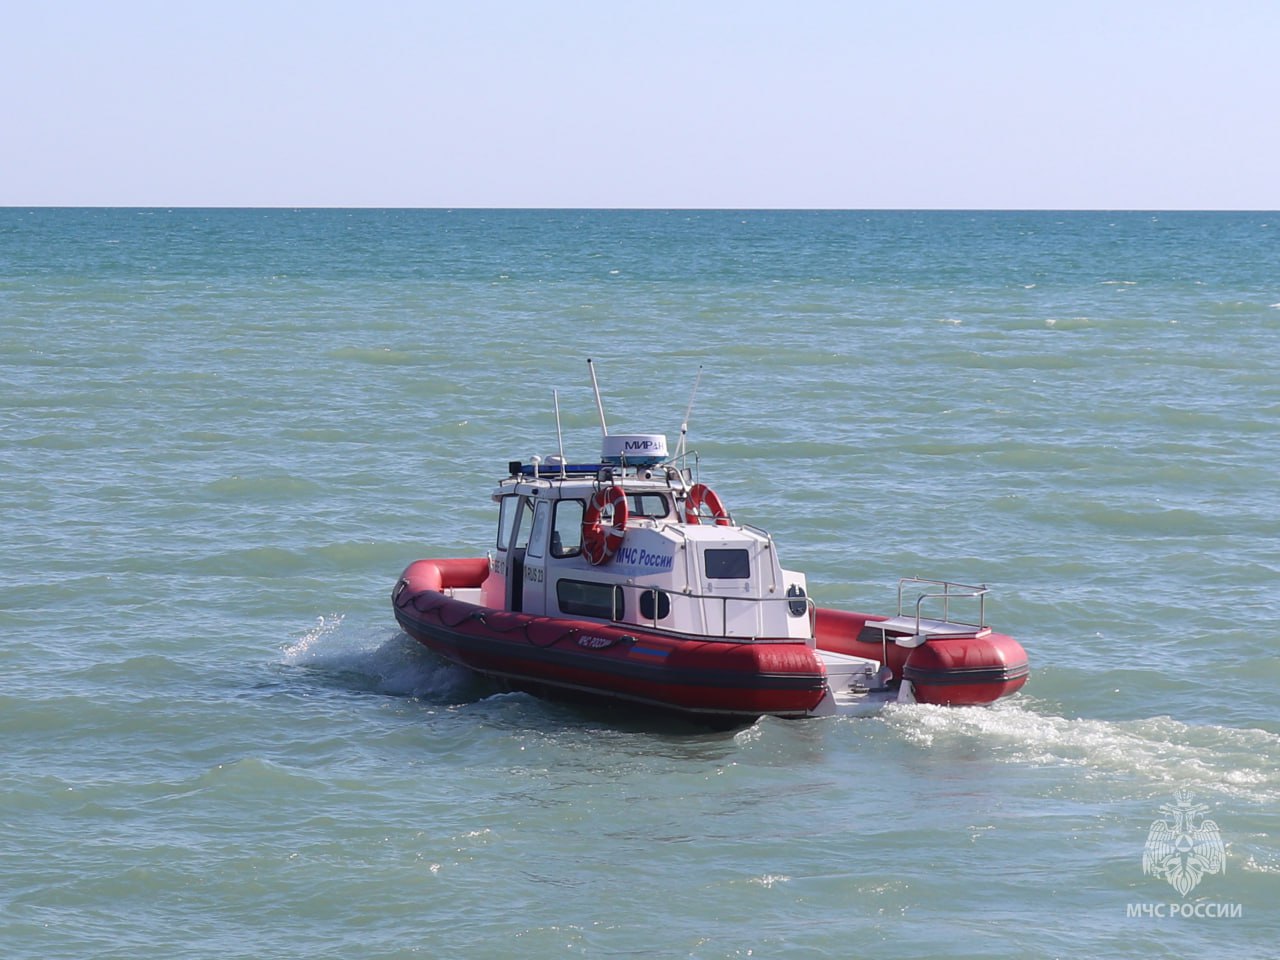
(600, 600)
(655, 605)
(566, 532)
(538, 538)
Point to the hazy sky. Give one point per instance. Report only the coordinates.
(652, 103)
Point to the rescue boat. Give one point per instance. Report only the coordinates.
(629, 580)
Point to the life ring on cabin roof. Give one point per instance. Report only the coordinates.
(600, 542)
(701, 495)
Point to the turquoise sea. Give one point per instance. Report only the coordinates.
(225, 432)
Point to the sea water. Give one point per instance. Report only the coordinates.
(225, 432)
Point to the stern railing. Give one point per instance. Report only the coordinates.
(946, 591)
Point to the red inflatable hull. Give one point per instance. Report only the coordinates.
(716, 678)
(712, 678)
(957, 671)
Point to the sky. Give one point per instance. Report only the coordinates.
(985, 104)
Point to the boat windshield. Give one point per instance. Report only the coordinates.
(647, 504)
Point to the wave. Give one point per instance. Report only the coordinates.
(1160, 751)
(1157, 754)
(387, 662)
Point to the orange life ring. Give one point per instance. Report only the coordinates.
(600, 542)
(701, 495)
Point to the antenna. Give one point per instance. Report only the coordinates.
(604, 427)
(684, 424)
(555, 396)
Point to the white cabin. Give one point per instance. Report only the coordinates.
(714, 578)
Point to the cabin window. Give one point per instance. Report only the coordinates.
(523, 523)
(601, 600)
(647, 504)
(507, 520)
(727, 564)
(654, 605)
(541, 520)
(566, 532)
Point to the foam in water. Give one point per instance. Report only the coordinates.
(1158, 750)
(394, 664)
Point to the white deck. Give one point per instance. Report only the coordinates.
(930, 628)
(855, 684)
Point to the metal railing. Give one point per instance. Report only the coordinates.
(949, 591)
(700, 622)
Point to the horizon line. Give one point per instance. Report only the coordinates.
(622, 209)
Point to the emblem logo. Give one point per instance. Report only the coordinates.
(1181, 850)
